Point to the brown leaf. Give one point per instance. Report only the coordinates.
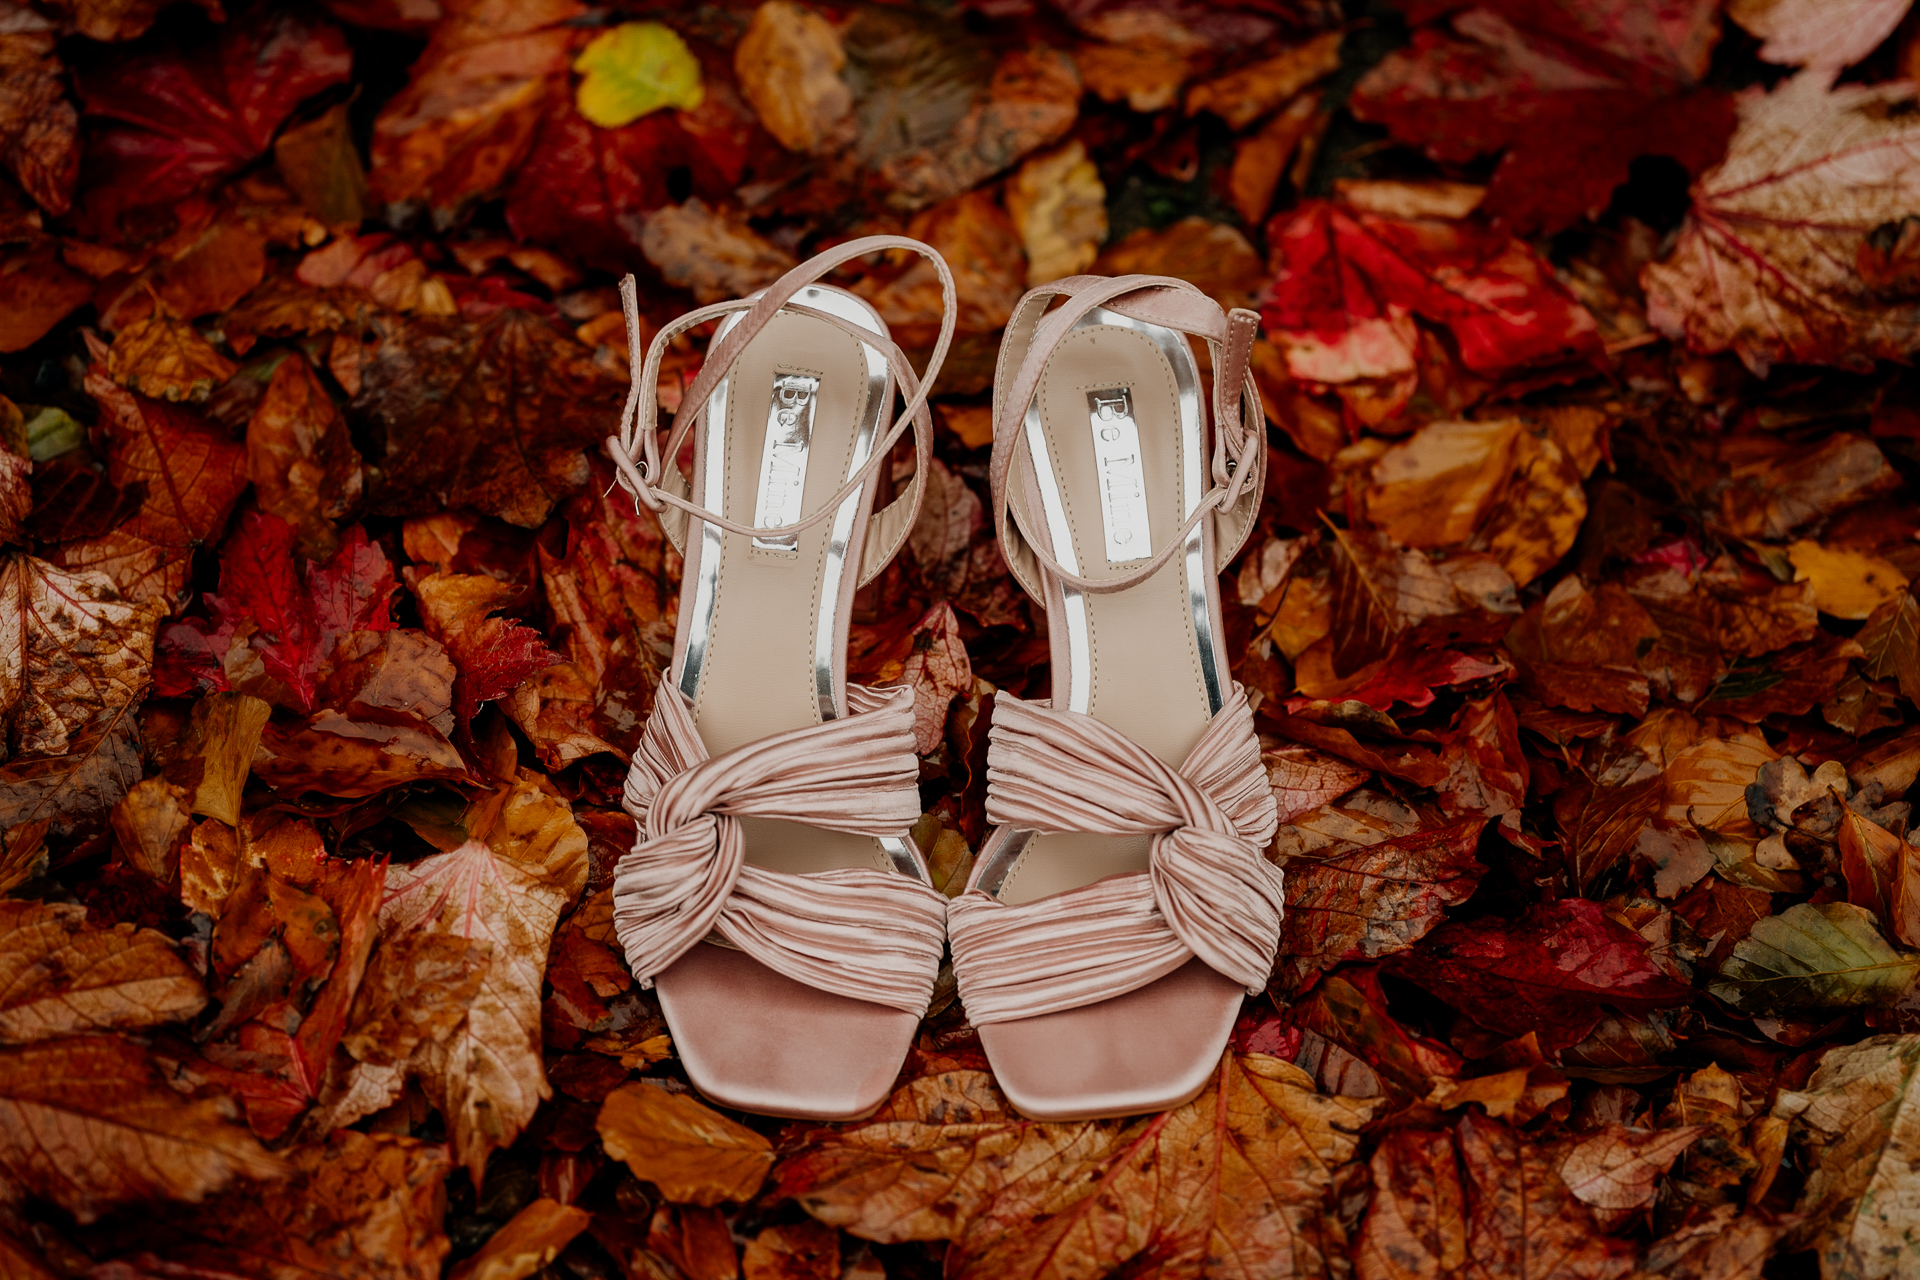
(983, 250)
(788, 63)
(468, 113)
(148, 825)
(712, 253)
(73, 655)
(1373, 900)
(39, 128)
(1580, 648)
(1773, 487)
(1213, 256)
(1241, 1172)
(164, 358)
(41, 292)
(794, 1251)
(88, 1124)
(1860, 1118)
(928, 656)
(530, 1240)
(1304, 779)
(1891, 640)
(61, 976)
(487, 1079)
(692, 1153)
(1245, 95)
(320, 166)
(491, 415)
(190, 473)
(1721, 1244)
(77, 788)
(1416, 1223)
(695, 1240)
(337, 756)
(301, 457)
(1616, 1171)
(1883, 875)
(1057, 201)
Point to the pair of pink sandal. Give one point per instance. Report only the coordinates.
(1123, 904)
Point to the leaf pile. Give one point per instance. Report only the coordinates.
(1578, 621)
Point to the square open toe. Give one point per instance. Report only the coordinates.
(1147, 1050)
(753, 1039)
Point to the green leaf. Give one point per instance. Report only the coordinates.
(52, 432)
(633, 69)
(1808, 958)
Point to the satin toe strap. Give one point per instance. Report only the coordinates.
(1209, 892)
(863, 933)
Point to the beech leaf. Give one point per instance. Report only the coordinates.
(1810, 958)
(60, 976)
(691, 1152)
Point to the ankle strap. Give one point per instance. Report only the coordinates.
(636, 451)
(1239, 427)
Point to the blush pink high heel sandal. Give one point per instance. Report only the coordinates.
(1123, 905)
(773, 897)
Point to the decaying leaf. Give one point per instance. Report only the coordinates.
(1810, 958)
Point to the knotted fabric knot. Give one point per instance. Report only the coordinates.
(863, 933)
(1210, 891)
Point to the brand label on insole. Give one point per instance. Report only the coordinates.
(1123, 485)
(783, 459)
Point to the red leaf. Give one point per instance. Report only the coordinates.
(353, 590)
(1550, 971)
(1347, 283)
(187, 116)
(493, 654)
(1572, 93)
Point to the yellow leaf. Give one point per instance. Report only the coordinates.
(633, 69)
(1846, 584)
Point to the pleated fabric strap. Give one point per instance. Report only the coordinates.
(1210, 891)
(863, 933)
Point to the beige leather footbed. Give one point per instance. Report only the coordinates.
(1147, 679)
(758, 675)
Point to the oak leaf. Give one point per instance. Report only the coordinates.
(88, 1124)
(1859, 1116)
(692, 1153)
(61, 976)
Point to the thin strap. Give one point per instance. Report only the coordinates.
(1032, 335)
(638, 418)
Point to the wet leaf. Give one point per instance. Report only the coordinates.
(635, 68)
(76, 655)
(493, 415)
(301, 458)
(1783, 233)
(692, 1153)
(1373, 900)
(493, 654)
(1618, 1169)
(41, 290)
(1811, 958)
(1882, 872)
(1857, 1115)
(62, 976)
(1241, 1172)
(90, 1125)
(191, 473)
(530, 1240)
(164, 359)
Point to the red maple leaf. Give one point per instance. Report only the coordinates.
(187, 115)
(1573, 92)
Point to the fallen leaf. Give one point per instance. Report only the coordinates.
(1347, 286)
(1882, 872)
(1548, 972)
(487, 1079)
(472, 102)
(983, 249)
(320, 165)
(1058, 202)
(1774, 262)
(41, 292)
(1891, 641)
(1374, 900)
(1571, 93)
(1304, 779)
(1811, 958)
(928, 656)
(1616, 1172)
(190, 472)
(692, 1153)
(711, 252)
(493, 415)
(39, 129)
(1829, 36)
(1214, 256)
(90, 1125)
(1242, 1171)
(1147, 75)
(76, 789)
(1858, 1116)
(301, 458)
(633, 69)
(62, 976)
(530, 1240)
(1716, 1246)
(793, 1251)
(148, 825)
(184, 116)
(789, 64)
(73, 655)
(165, 359)
(1846, 584)
(493, 654)
(1245, 95)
